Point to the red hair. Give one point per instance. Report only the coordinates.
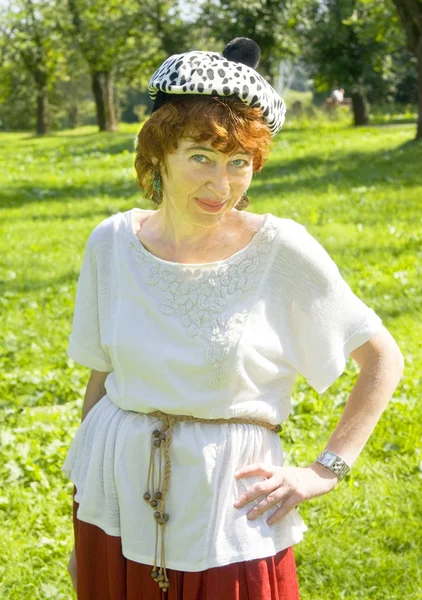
(226, 122)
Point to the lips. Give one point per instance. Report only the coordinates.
(210, 202)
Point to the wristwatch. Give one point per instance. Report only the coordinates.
(333, 462)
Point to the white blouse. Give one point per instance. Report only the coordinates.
(220, 339)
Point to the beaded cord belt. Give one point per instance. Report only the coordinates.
(155, 495)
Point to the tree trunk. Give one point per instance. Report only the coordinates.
(360, 106)
(419, 63)
(410, 13)
(73, 115)
(102, 87)
(117, 106)
(42, 110)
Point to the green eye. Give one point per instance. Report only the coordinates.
(195, 157)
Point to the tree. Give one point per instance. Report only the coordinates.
(352, 42)
(17, 104)
(119, 38)
(410, 13)
(32, 41)
(101, 29)
(270, 23)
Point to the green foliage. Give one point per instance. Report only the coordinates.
(17, 107)
(268, 22)
(35, 38)
(38, 58)
(358, 192)
(347, 40)
(126, 35)
(102, 28)
(49, 49)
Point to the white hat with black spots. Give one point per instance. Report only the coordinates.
(231, 73)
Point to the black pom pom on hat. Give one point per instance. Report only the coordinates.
(243, 50)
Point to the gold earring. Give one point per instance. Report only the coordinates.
(243, 202)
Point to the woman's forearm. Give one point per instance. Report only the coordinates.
(94, 392)
(374, 387)
(382, 366)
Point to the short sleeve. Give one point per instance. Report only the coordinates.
(85, 345)
(328, 320)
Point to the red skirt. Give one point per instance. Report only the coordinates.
(104, 573)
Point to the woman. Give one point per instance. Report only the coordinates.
(195, 320)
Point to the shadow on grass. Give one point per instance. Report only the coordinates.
(21, 195)
(77, 145)
(342, 169)
(392, 122)
(20, 286)
(396, 168)
(58, 134)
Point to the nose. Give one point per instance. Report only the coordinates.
(220, 184)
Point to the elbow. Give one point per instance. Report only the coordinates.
(390, 364)
(398, 361)
(394, 357)
(380, 349)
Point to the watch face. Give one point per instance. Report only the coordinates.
(328, 460)
(335, 463)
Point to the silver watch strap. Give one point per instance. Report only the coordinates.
(333, 462)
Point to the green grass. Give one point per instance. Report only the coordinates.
(359, 192)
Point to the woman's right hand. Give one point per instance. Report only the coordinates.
(72, 568)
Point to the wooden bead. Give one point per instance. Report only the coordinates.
(157, 514)
(161, 520)
(154, 503)
(154, 573)
(166, 517)
(160, 577)
(147, 496)
(157, 443)
(162, 436)
(156, 433)
(158, 495)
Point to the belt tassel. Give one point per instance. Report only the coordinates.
(155, 495)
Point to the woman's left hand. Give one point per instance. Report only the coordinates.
(287, 486)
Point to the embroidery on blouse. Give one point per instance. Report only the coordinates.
(201, 296)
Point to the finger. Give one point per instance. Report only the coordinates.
(274, 498)
(258, 491)
(255, 469)
(284, 510)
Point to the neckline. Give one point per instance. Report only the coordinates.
(142, 248)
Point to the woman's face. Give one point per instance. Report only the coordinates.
(202, 183)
